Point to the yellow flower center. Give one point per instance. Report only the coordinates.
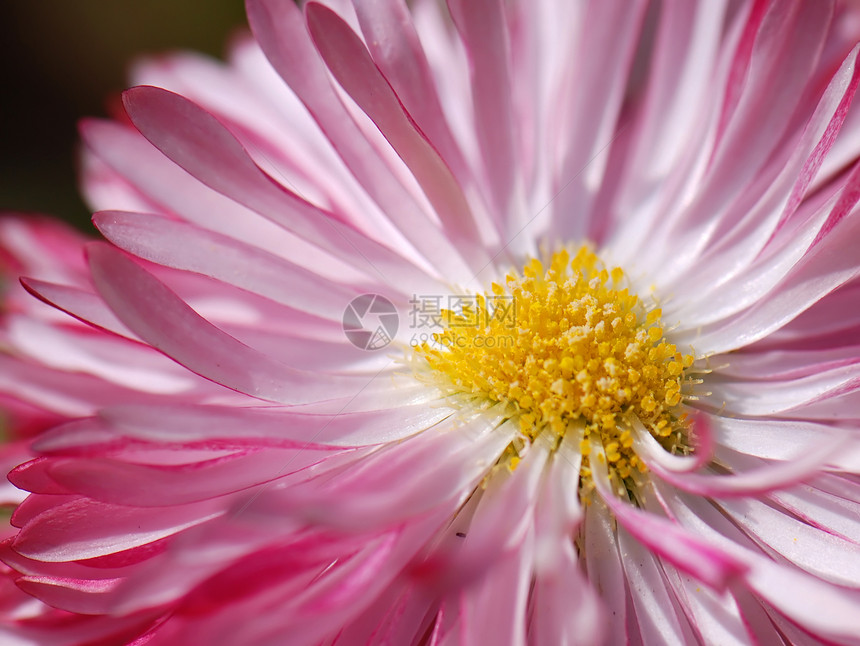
(567, 344)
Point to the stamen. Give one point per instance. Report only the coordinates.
(568, 342)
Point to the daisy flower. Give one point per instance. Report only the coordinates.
(470, 323)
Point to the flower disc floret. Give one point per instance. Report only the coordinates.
(567, 344)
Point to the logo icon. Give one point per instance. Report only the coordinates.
(370, 321)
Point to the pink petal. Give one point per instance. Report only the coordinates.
(128, 154)
(83, 529)
(159, 317)
(493, 610)
(784, 365)
(650, 450)
(824, 268)
(83, 305)
(50, 627)
(686, 551)
(397, 482)
(331, 355)
(279, 28)
(270, 122)
(762, 248)
(332, 598)
(230, 543)
(828, 557)
(773, 439)
(593, 95)
(119, 482)
(57, 392)
(715, 618)
(827, 611)
(401, 615)
(80, 351)
(544, 36)
(73, 595)
(677, 119)
(772, 477)
(195, 140)
(568, 609)
(42, 247)
(182, 246)
(559, 513)
(33, 476)
(658, 617)
(604, 569)
(350, 63)
(772, 397)
(189, 423)
(502, 519)
(752, 482)
(481, 24)
(829, 513)
(391, 37)
(449, 67)
(785, 50)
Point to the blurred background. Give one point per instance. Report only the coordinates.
(61, 60)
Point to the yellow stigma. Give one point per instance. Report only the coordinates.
(563, 343)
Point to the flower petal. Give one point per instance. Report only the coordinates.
(279, 27)
(188, 423)
(128, 155)
(350, 63)
(481, 24)
(159, 317)
(186, 247)
(828, 557)
(593, 95)
(827, 611)
(84, 529)
(464, 452)
(195, 140)
(686, 551)
(605, 573)
(757, 481)
(657, 614)
(650, 450)
(85, 306)
(393, 41)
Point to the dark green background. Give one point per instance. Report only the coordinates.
(61, 60)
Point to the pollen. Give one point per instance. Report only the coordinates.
(566, 345)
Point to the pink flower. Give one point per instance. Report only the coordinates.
(621, 398)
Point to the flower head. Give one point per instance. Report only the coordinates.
(619, 398)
